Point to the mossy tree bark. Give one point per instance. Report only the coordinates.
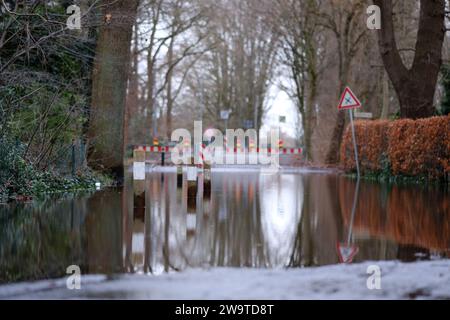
(110, 76)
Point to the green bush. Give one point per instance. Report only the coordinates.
(19, 178)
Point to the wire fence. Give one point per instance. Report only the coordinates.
(72, 159)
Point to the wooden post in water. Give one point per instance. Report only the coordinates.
(206, 165)
(192, 190)
(192, 185)
(207, 180)
(163, 158)
(179, 176)
(139, 184)
(191, 223)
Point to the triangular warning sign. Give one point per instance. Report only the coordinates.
(349, 100)
(346, 252)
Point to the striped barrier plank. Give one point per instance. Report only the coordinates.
(285, 151)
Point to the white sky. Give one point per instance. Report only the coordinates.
(281, 105)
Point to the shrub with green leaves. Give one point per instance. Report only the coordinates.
(20, 178)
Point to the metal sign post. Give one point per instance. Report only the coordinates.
(349, 102)
(355, 147)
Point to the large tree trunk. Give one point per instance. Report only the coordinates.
(415, 87)
(335, 143)
(132, 102)
(110, 78)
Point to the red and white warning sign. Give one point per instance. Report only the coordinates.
(346, 252)
(349, 100)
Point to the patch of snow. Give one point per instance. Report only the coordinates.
(38, 287)
(419, 280)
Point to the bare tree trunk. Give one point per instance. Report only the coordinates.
(349, 33)
(310, 121)
(415, 87)
(335, 143)
(385, 110)
(150, 96)
(110, 78)
(312, 94)
(169, 88)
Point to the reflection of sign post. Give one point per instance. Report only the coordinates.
(350, 102)
(347, 252)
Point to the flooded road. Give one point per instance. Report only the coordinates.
(250, 220)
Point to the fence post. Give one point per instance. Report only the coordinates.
(139, 183)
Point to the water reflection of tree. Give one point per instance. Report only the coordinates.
(320, 224)
(41, 239)
(166, 246)
(238, 239)
(230, 227)
(104, 233)
(302, 250)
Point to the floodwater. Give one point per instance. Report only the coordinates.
(249, 220)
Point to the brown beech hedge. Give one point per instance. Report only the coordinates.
(402, 147)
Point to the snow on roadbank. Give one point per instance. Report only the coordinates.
(420, 280)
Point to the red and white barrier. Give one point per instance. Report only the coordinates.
(287, 151)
